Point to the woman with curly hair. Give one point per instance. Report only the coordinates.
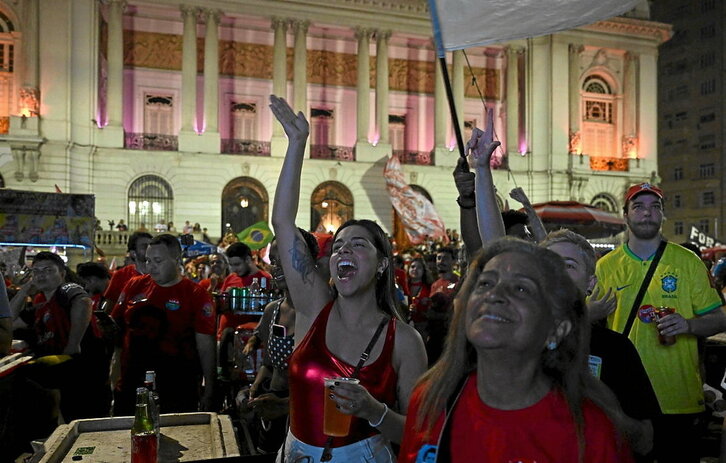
(513, 382)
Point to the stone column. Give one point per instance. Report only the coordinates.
(300, 66)
(382, 85)
(363, 86)
(575, 136)
(189, 69)
(279, 67)
(457, 86)
(441, 109)
(630, 114)
(211, 72)
(115, 56)
(513, 116)
(31, 42)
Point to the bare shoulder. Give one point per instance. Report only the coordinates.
(408, 345)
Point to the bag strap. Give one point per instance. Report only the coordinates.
(327, 453)
(367, 352)
(644, 286)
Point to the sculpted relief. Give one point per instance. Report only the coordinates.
(164, 51)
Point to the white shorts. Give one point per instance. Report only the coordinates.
(375, 449)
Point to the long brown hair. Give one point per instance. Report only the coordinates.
(385, 286)
(565, 366)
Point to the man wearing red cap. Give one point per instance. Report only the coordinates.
(680, 281)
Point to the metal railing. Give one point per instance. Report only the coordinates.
(246, 147)
(336, 153)
(151, 141)
(604, 164)
(419, 158)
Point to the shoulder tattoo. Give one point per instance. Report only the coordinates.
(302, 261)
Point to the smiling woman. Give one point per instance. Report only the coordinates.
(512, 383)
(351, 330)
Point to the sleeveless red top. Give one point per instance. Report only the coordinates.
(311, 362)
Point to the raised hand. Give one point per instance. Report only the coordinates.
(295, 125)
(481, 147)
(518, 194)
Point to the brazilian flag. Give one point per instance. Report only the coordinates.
(256, 236)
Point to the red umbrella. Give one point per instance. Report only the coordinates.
(587, 220)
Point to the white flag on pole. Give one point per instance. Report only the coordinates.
(466, 23)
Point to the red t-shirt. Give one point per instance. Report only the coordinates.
(420, 301)
(541, 433)
(442, 285)
(118, 280)
(52, 319)
(231, 320)
(188, 310)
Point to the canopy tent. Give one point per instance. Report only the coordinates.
(584, 219)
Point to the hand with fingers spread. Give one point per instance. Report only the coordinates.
(481, 148)
(600, 306)
(296, 125)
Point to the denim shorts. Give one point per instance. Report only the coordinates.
(375, 449)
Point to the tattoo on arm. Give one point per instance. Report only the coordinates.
(302, 261)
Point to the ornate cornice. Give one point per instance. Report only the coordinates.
(633, 27)
(403, 6)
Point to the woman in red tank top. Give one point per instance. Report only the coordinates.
(331, 335)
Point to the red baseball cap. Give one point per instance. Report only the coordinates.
(643, 188)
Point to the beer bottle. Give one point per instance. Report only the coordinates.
(154, 406)
(144, 441)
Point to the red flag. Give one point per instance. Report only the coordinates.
(418, 215)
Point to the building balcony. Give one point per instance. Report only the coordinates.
(246, 147)
(335, 153)
(417, 158)
(151, 141)
(609, 164)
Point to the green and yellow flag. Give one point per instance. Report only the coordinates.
(256, 236)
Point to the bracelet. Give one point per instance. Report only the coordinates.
(385, 412)
(466, 204)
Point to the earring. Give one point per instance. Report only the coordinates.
(379, 274)
(552, 345)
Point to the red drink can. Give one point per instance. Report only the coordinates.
(659, 313)
(144, 448)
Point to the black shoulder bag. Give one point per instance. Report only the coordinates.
(644, 286)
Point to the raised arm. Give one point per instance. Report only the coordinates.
(488, 215)
(535, 223)
(308, 290)
(464, 181)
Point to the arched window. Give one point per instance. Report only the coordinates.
(598, 118)
(151, 201)
(8, 45)
(331, 205)
(244, 203)
(605, 202)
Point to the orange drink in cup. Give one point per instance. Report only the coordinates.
(335, 423)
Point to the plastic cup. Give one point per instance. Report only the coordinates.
(335, 423)
(661, 312)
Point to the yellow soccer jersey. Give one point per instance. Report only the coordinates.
(681, 281)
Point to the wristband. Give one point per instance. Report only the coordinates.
(379, 422)
(468, 203)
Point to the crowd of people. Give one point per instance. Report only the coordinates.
(510, 344)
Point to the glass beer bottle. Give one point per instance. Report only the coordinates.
(144, 441)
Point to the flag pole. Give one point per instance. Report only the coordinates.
(441, 53)
(452, 107)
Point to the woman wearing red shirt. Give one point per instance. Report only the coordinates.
(419, 290)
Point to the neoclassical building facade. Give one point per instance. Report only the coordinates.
(159, 108)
